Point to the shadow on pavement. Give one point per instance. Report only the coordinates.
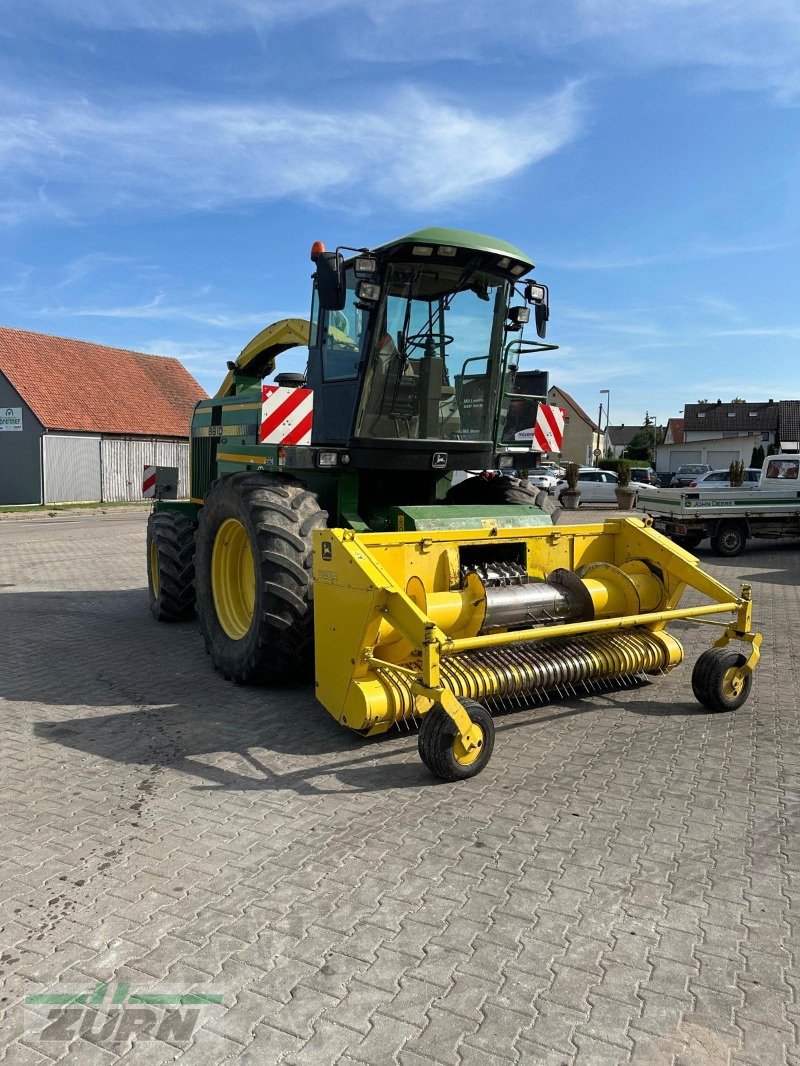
(95, 650)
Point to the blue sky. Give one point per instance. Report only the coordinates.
(166, 164)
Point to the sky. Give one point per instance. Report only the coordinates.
(166, 164)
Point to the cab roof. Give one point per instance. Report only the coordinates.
(460, 238)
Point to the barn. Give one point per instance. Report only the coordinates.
(79, 421)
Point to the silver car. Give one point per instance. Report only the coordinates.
(720, 479)
(598, 486)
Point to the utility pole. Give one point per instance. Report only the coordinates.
(599, 431)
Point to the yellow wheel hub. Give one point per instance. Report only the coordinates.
(466, 756)
(233, 578)
(732, 683)
(154, 568)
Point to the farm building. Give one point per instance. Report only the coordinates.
(79, 421)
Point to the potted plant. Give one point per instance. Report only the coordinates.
(626, 497)
(571, 497)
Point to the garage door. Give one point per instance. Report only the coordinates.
(721, 460)
(677, 459)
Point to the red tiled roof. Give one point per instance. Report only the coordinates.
(85, 387)
(577, 408)
(676, 425)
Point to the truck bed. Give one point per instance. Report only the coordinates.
(755, 502)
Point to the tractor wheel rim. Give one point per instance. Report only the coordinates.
(233, 578)
(465, 756)
(732, 683)
(154, 568)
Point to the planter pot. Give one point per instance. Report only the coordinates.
(570, 501)
(626, 499)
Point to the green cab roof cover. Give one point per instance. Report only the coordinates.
(460, 238)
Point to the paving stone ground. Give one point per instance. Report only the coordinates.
(622, 884)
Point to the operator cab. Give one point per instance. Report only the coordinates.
(413, 344)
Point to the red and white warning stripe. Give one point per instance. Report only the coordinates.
(286, 415)
(548, 433)
(149, 482)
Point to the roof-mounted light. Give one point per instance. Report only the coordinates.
(365, 265)
(518, 269)
(447, 249)
(422, 249)
(317, 248)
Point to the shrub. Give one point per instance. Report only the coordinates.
(736, 472)
(624, 475)
(572, 476)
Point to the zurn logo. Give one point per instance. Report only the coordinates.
(115, 1015)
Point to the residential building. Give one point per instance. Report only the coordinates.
(79, 421)
(582, 436)
(618, 438)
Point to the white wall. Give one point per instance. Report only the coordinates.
(711, 450)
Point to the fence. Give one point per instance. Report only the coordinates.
(87, 469)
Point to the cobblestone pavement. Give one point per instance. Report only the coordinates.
(622, 884)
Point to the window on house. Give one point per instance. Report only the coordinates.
(701, 414)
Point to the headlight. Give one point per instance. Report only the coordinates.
(505, 462)
(327, 458)
(368, 290)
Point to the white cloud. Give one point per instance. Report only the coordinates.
(174, 16)
(416, 149)
(159, 309)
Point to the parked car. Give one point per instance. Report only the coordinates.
(542, 478)
(646, 475)
(598, 486)
(685, 475)
(720, 479)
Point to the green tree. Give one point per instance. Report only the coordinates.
(757, 458)
(738, 399)
(703, 401)
(640, 445)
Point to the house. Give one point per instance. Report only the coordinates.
(582, 436)
(675, 432)
(79, 421)
(618, 438)
(789, 425)
(718, 433)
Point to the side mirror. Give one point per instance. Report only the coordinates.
(330, 281)
(542, 313)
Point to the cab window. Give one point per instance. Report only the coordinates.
(342, 337)
(780, 469)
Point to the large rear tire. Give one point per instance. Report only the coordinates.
(170, 566)
(254, 582)
(502, 489)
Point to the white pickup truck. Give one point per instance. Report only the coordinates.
(730, 516)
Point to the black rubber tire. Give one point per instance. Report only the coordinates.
(171, 534)
(689, 541)
(708, 677)
(729, 539)
(279, 513)
(436, 736)
(502, 489)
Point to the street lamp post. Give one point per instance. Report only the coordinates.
(607, 394)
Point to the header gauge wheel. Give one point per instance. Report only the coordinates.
(441, 749)
(718, 682)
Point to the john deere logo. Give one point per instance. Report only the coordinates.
(327, 550)
(439, 461)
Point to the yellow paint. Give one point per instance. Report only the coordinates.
(233, 578)
(270, 343)
(391, 614)
(236, 457)
(153, 560)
